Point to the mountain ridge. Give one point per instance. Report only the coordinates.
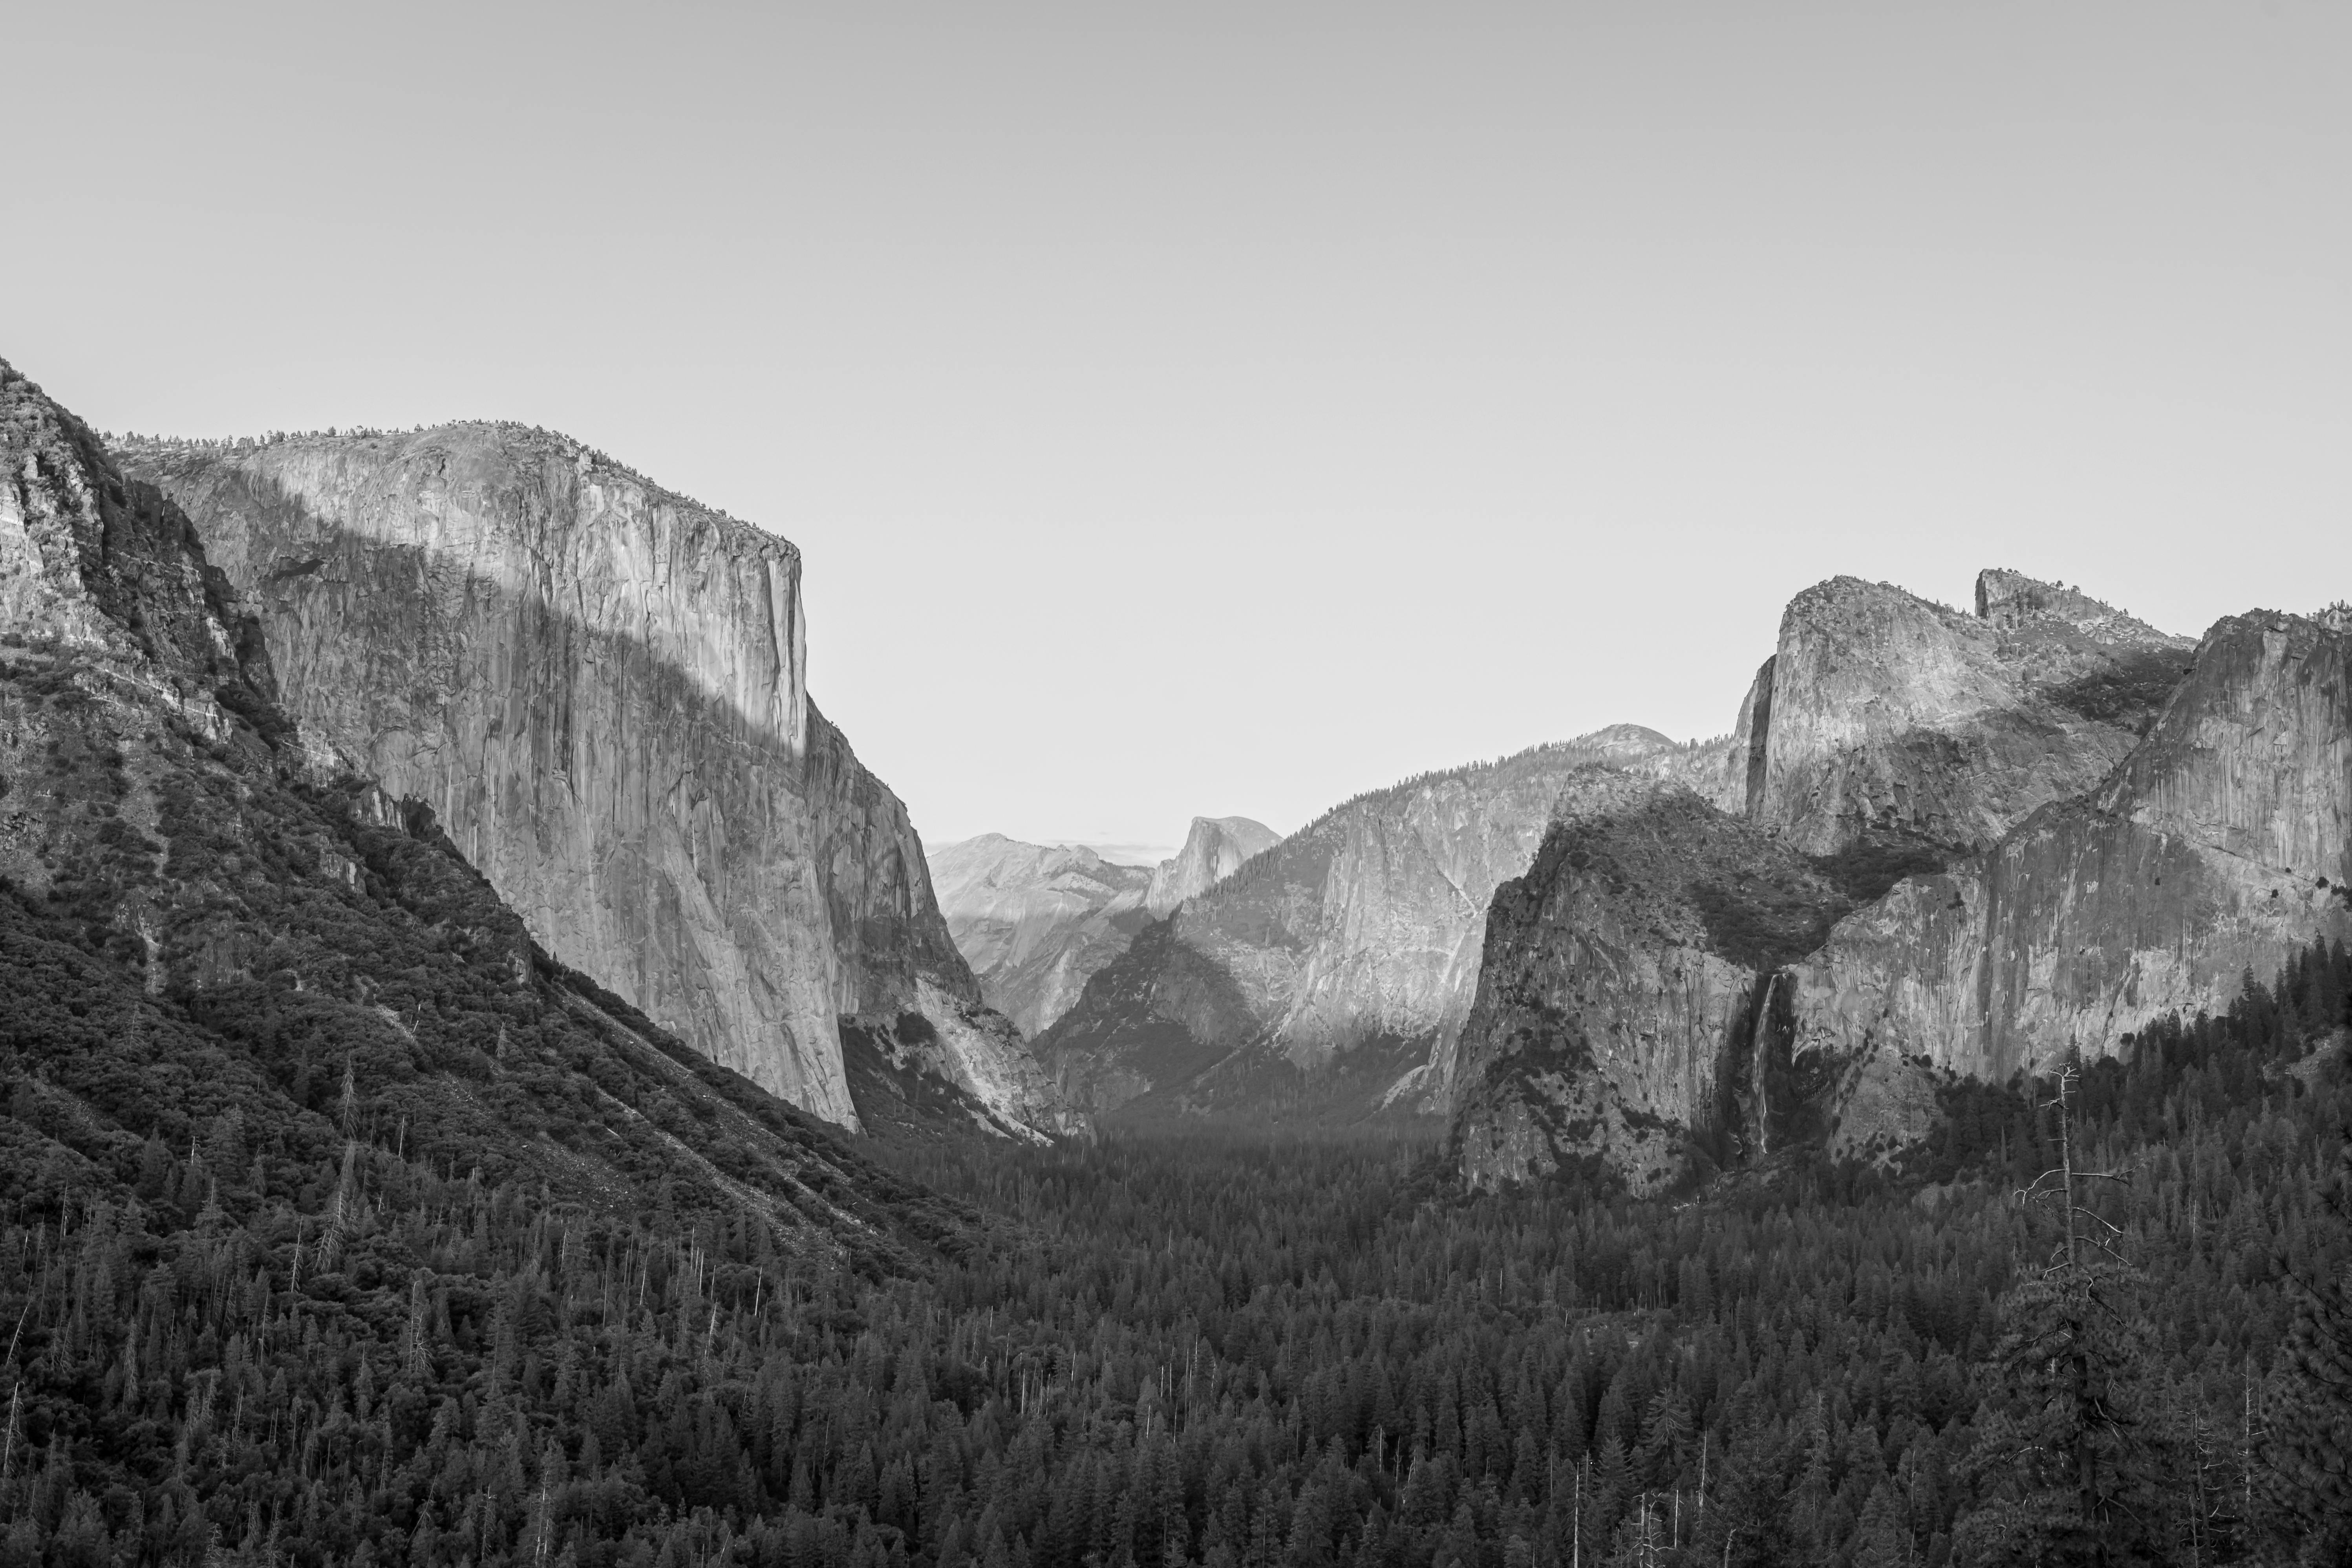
(1356, 934)
(206, 923)
(1995, 807)
(601, 686)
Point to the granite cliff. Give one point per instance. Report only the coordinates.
(1884, 716)
(601, 689)
(1333, 970)
(2009, 834)
(2223, 841)
(214, 939)
(1215, 848)
(1619, 995)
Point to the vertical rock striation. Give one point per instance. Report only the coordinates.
(601, 689)
(2221, 842)
(1618, 996)
(2050, 823)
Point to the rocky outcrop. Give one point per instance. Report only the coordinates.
(1215, 848)
(1355, 939)
(94, 563)
(2221, 842)
(1884, 714)
(601, 689)
(2051, 824)
(1035, 921)
(891, 946)
(1619, 999)
(965, 1059)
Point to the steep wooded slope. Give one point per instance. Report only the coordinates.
(209, 942)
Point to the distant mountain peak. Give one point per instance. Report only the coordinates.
(1214, 850)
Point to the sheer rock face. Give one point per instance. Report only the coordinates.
(2224, 841)
(1361, 932)
(1618, 995)
(1035, 921)
(1883, 713)
(1215, 848)
(601, 689)
(221, 901)
(2093, 836)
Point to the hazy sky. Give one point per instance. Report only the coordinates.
(1213, 409)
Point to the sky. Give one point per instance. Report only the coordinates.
(1225, 409)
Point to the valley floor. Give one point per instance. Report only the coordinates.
(1251, 1350)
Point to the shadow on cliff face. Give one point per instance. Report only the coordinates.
(2129, 693)
(896, 1101)
(1152, 1019)
(1164, 1034)
(888, 930)
(651, 830)
(1958, 788)
(1868, 868)
(1603, 938)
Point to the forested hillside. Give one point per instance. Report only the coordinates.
(1217, 1352)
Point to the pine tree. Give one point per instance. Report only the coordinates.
(2310, 1446)
(2057, 1458)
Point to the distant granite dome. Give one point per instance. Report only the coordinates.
(601, 688)
(1215, 848)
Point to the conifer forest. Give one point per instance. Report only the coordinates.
(300, 1330)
